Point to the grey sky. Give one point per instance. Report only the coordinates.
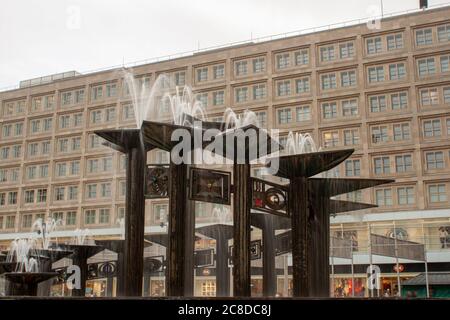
(41, 37)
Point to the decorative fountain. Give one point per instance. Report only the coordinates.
(29, 261)
(306, 203)
(24, 274)
(81, 251)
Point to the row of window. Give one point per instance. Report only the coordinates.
(92, 191)
(62, 169)
(68, 218)
(437, 194)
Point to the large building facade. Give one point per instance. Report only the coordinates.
(384, 91)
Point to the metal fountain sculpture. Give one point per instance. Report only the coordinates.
(305, 202)
(304, 205)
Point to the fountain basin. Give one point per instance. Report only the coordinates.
(26, 283)
(309, 164)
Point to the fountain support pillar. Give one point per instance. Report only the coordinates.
(300, 236)
(178, 237)
(134, 222)
(242, 202)
(222, 270)
(319, 255)
(189, 249)
(269, 270)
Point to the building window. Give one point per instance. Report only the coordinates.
(29, 196)
(79, 96)
(91, 191)
(41, 195)
(104, 216)
(58, 216)
(71, 218)
(89, 216)
(435, 160)
(327, 53)
(374, 45)
(219, 71)
(303, 113)
(352, 168)
(346, 50)
(348, 79)
(432, 128)
(6, 130)
(218, 98)
(27, 220)
(284, 88)
(94, 141)
(437, 193)
(96, 116)
(429, 97)
(351, 137)
(379, 134)
(10, 222)
(241, 68)
(445, 64)
(64, 121)
(349, 107)
(127, 112)
(202, 74)
(382, 165)
(241, 94)
(111, 90)
(426, 67)
(105, 190)
(394, 42)
(399, 101)
(329, 110)
(59, 193)
(97, 93)
(328, 81)
(162, 157)
(283, 61)
(72, 193)
(259, 65)
(302, 85)
(383, 197)
(377, 103)
(159, 212)
(397, 71)
(443, 33)
(259, 91)
(262, 118)
(284, 116)
(406, 196)
(110, 114)
(12, 198)
(403, 163)
(376, 74)
(401, 132)
(424, 37)
(331, 139)
(301, 57)
(201, 97)
(66, 98)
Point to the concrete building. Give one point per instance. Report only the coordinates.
(381, 89)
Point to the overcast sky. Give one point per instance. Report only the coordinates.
(41, 37)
